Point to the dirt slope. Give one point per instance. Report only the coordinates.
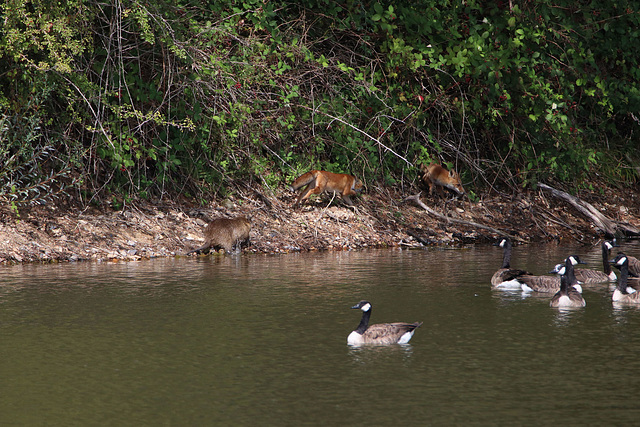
(147, 230)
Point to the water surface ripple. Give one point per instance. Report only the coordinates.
(261, 340)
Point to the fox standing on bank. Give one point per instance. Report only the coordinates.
(438, 177)
(317, 182)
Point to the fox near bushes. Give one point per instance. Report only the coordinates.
(435, 176)
(317, 182)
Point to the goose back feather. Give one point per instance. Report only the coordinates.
(545, 284)
(634, 266)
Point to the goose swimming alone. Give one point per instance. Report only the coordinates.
(381, 333)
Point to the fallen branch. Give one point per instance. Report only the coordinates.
(608, 226)
(416, 199)
(548, 216)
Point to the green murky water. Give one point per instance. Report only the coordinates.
(261, 340)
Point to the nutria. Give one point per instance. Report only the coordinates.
(226, 233)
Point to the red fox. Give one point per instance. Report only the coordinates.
(225, 233)
(319, 181)
(437, 176)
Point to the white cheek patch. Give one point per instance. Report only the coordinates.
(502, 243)
(562, 271)
(573, 261)
(608, 245)
(366, 307)
(622, 260)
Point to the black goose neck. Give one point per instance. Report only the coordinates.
(570, 273)
(506, 256)
(624, 276)
(564, 284)
(364, 322)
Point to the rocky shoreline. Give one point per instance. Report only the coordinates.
(150, 230)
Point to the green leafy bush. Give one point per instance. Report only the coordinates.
(160, 97)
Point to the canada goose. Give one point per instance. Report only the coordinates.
(507, 277)
(568, 295)
(624, 292)
(585, 275)
(606, 253)
(551, 284)
(381, 333)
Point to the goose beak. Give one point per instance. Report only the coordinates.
(356, 306)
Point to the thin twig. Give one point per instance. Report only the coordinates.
(376, 140)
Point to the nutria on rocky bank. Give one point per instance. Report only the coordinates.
(225, 233)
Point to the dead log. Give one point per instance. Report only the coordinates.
(416, 199)
(608, 226)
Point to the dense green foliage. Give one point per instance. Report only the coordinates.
(144, 98)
